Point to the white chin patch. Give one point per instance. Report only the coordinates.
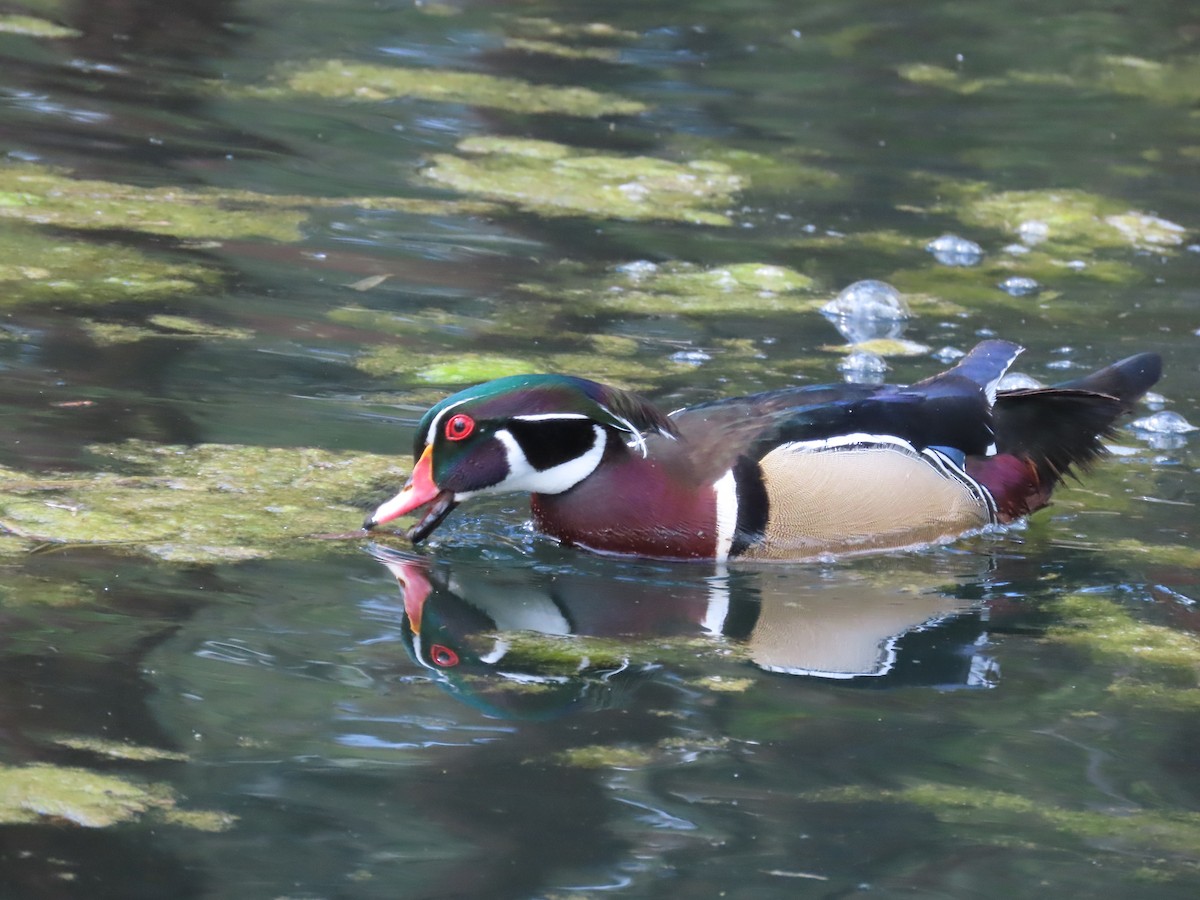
(524, 477)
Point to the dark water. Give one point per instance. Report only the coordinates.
(1012, 715)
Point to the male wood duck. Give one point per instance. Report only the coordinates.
(796, 473)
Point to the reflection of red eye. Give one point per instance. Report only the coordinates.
(458, 427)
(443, 656)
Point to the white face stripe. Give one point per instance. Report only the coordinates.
(524, 477)
(433, 426)
(725, 489)
(545, 417)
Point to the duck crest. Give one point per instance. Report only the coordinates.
(632, 413)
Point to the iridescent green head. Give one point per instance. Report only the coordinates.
(537, 433)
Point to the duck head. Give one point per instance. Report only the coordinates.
(540, 434)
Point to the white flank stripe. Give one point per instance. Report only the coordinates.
(725, 489)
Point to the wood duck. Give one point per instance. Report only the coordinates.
(796, 473)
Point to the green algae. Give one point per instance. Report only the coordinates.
(1072, 218)
(583, 657)
(1109, 631)
(1156, 695)
(164, 326)
(1161, 554)
(604, 756)
(979, 287)
(120, 749)
(601, 357)
(32, 26)
(882, 347)
(207, 820)
(42, 793)
(556, 180)
(474, 368)
(549, 29)
(928, 75)
(40, 195)
(23, 590)
(1175, 82)
(364, 82)
(38, 270)
(429, 322)
(209, 502)
(1154, 830)
(679, 288)
(561, 51)
(724, 685)
(559, 655)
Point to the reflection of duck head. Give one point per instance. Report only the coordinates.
(889, 620)
(465, 624)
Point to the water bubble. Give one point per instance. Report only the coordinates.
(1016, 249)
(948, 355)
(867, 310)
(690, 357)
(634, 191)
(1019, 286)
(1033, 232)
(638, 269)
(1077, 265)
(868, 299)
(1018, 381)
(861, 365)
(952, 250)
(1165, 422)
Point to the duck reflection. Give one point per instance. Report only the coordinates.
(883, 626)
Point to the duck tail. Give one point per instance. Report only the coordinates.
(1045, 434)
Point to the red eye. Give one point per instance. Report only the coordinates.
(443, 656)
(458, 427)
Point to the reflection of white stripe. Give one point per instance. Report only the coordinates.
(725, 490)
(496, 654)
(717, 610)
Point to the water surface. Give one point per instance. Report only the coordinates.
(257, 241)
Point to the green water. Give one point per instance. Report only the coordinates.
(247, 244)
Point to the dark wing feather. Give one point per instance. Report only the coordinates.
(1053, 428)
(1062, 426)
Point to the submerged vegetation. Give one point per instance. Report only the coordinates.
(553, 179)
(41, 793)
(186, 504)
(363, 82)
